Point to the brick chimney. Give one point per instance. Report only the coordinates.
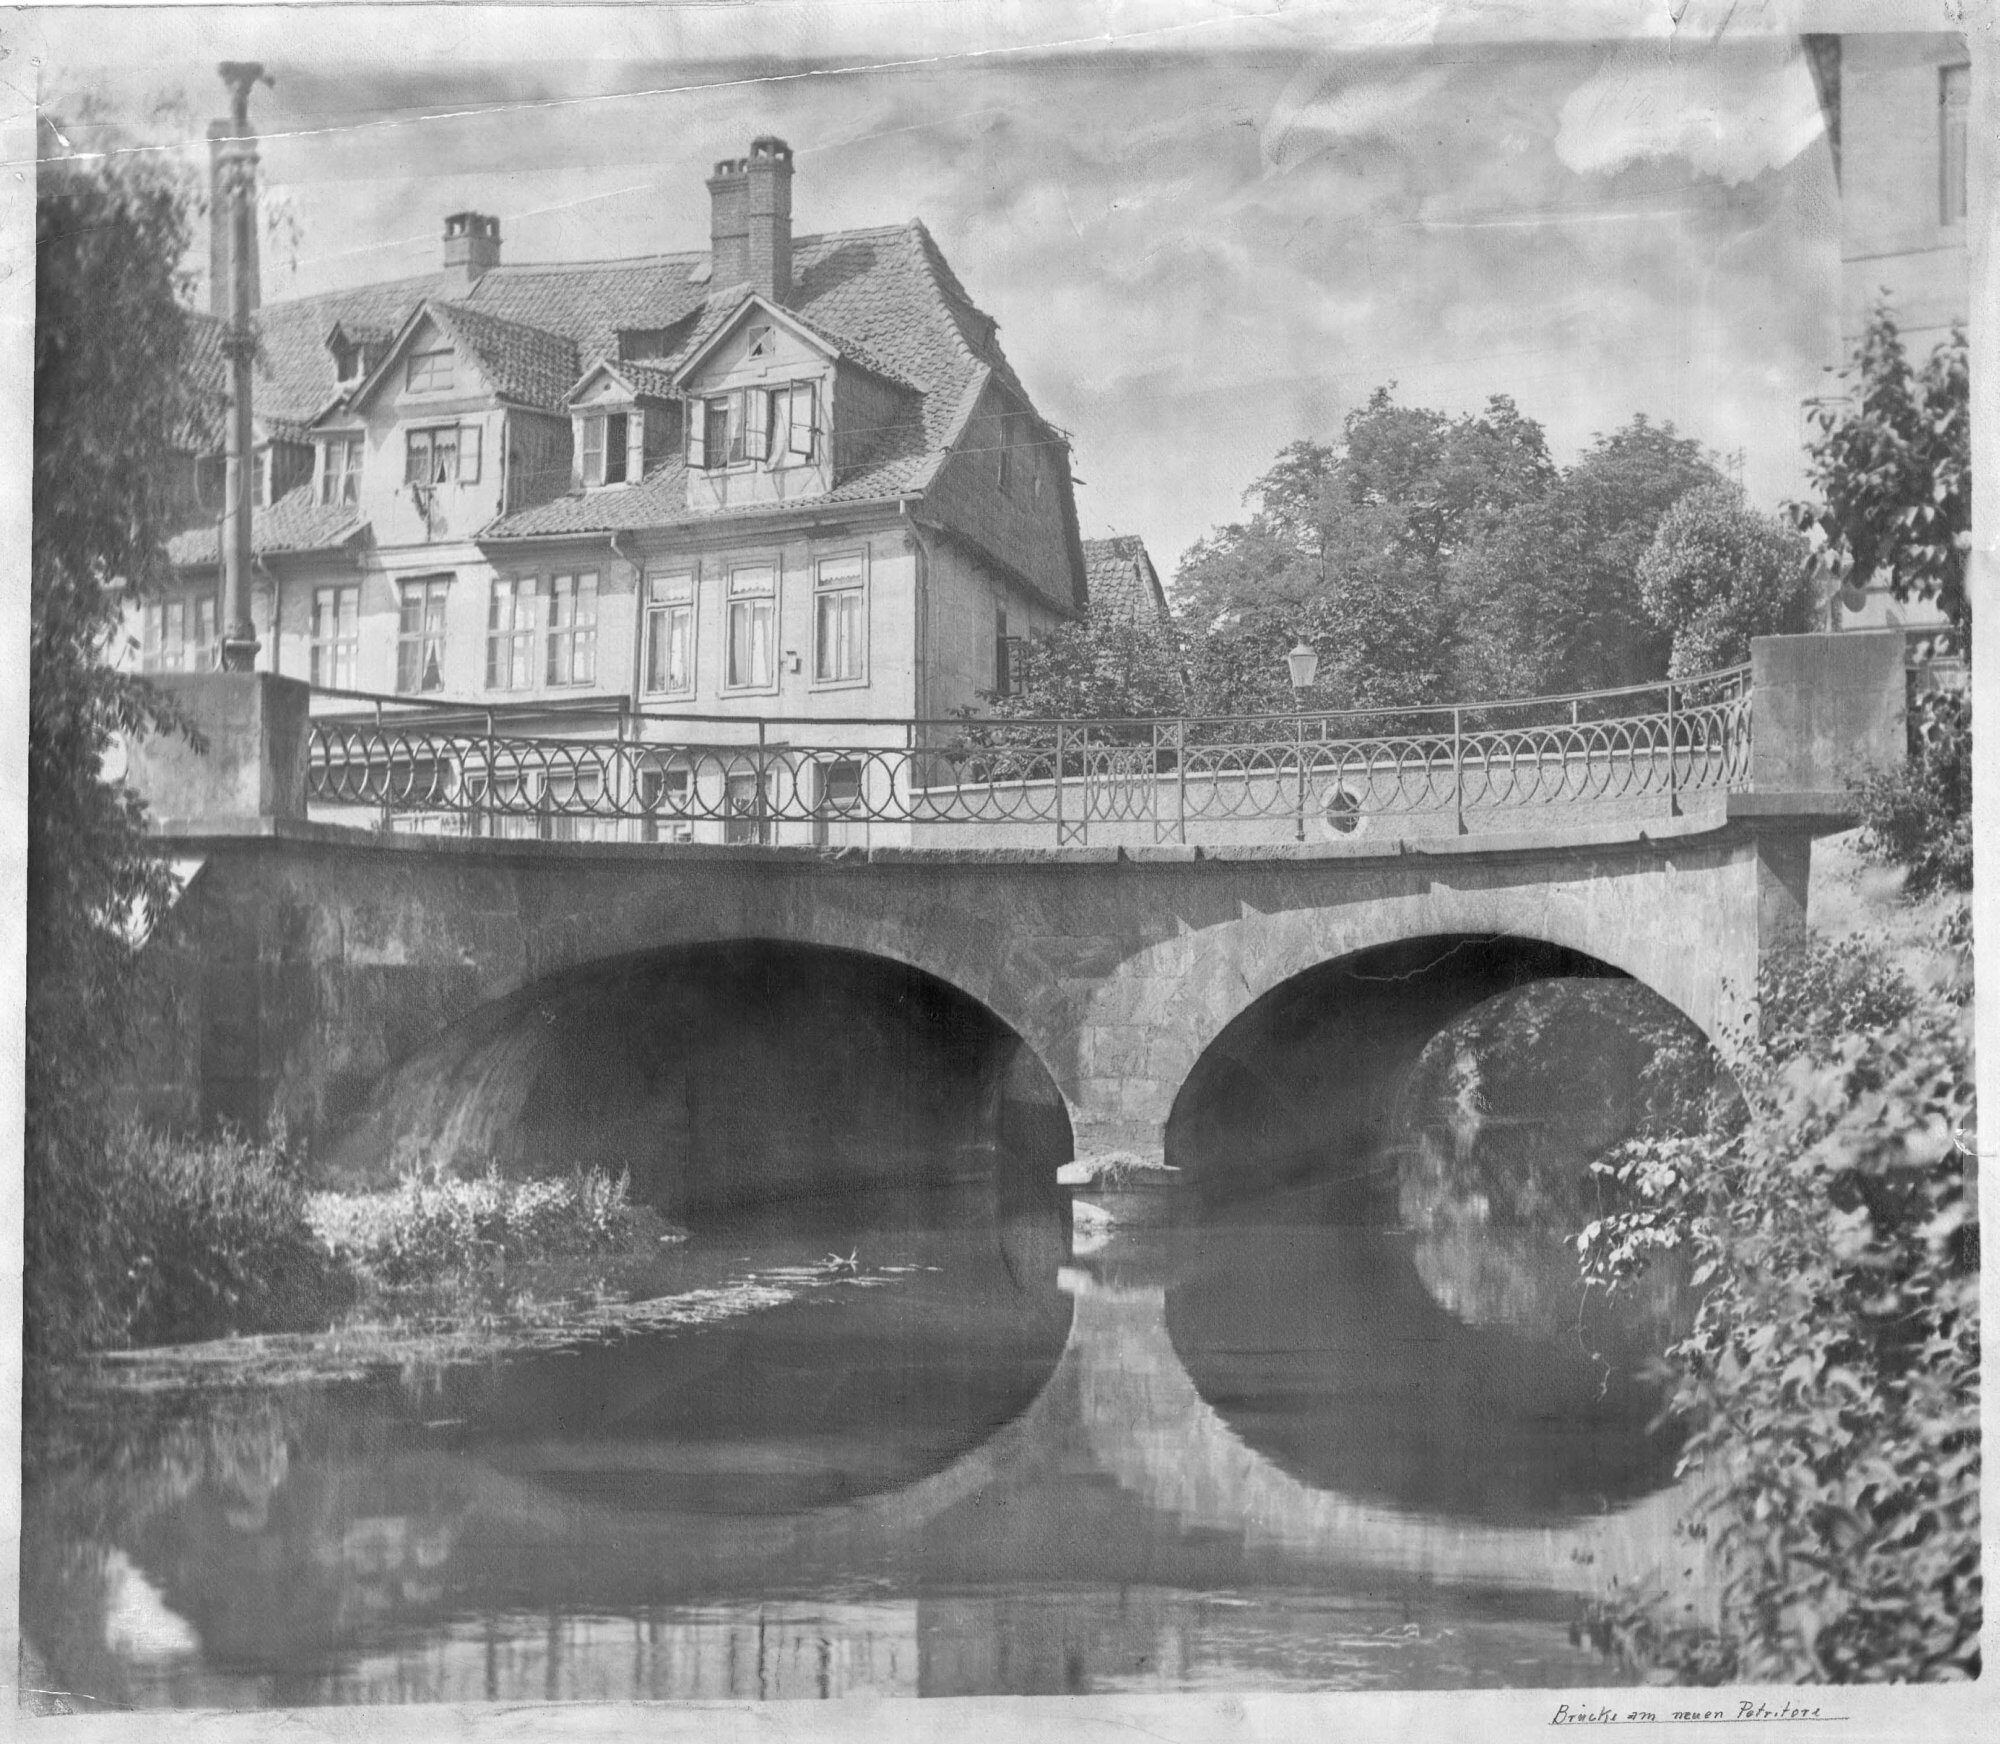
(471, 249)
(220, 133)
(729, 222)
(750, 219)
(771, 217)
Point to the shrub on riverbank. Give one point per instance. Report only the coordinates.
(1832, 1379)
(214, 1239)
(433, 1228)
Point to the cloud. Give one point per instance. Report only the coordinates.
(1732, 110)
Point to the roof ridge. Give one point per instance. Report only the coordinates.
(507, 268)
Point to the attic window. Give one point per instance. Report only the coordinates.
(611, 448)
(762, 342)
(431, 371)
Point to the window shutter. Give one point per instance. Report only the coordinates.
(804, 398)
(697, 423)
(757, 417)
(593, 450)
(470, 437)
(635, 445)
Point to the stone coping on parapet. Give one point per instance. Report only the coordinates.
(1820, 813)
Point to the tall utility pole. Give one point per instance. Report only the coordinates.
(239, 345)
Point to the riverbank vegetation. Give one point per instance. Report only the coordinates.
(219, 1237)
(1831, 1382)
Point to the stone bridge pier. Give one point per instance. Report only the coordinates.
(320, 972)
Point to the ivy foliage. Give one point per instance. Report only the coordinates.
(111, 337)
(1831, 1382)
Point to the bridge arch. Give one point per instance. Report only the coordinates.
(723, 1072)
(1153, 1019)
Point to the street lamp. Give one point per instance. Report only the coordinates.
(1304, 662)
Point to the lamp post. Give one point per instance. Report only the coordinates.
(238, 649)
(1303, 662)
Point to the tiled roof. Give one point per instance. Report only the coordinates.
(884, 297)
(1123, 582)
(293, 523)
(525, 364)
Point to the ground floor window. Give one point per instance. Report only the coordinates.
(744, 809)
(753, 622)
(839, 618)
(178, 635)
(510, 633)
(670, 635)
(336, 635)
(573, 629)
(420, 633)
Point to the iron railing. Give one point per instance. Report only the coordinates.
(636, 775)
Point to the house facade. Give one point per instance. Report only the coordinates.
(782, 478)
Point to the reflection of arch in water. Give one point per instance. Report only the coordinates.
(732, 1072)
(1151, 1430)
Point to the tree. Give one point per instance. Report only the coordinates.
(1892, 465)
(1352, 546)
(1102, 668)
(1556, 588)
(110, 337)
(1718, 573)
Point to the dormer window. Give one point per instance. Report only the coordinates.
(431, 372)
(340, 469)
(752, 425)
(611, 447)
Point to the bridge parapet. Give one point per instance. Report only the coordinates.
(1780, 738)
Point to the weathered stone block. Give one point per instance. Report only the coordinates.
(253, 760)
(1827, 708)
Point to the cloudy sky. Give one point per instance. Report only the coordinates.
(1205, 230)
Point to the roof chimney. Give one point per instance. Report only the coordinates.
(220, 133)
(771, 217)
(729, 223)
(471, 249)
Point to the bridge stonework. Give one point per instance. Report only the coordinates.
(311, 961)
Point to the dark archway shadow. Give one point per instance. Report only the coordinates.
(1299, 1089)
(1375, 1285)
(727, 1078)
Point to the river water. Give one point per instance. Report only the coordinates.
(907, 1445)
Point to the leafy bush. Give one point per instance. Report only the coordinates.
(215, 1240)
(433, 1226)
(1718, 573)
(1919, 815)
(1832, 1378)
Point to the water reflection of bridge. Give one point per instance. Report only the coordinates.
(655, 1611)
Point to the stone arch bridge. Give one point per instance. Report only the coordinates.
(314, 960)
